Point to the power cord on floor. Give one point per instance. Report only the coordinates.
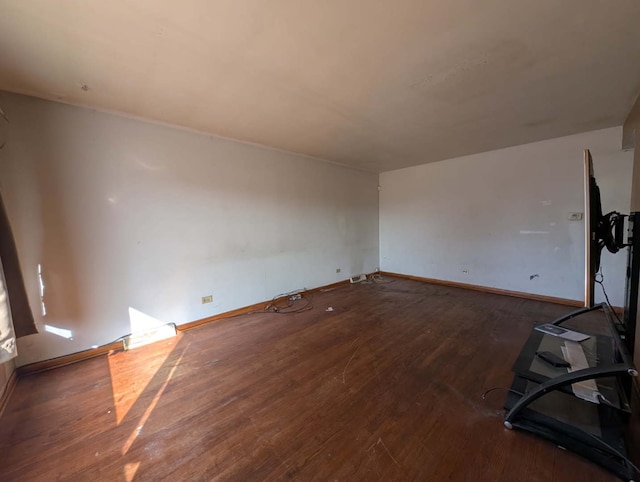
(377, 278)
(484, 395)
(606, 297)
(291, 300)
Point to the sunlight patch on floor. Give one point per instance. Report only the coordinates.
(130, 471)
(152, 405)
(127, 386)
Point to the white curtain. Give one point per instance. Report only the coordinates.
(7, 335)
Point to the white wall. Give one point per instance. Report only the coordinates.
(503, 215)
(126, 214)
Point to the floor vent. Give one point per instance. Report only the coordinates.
(142, 338)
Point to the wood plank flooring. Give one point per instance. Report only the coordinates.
(387, 386)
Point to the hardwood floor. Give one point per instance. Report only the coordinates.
(387, 386)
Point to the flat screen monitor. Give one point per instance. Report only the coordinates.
(601, 230)
(592, 214)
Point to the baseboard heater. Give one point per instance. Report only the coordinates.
(136, 340)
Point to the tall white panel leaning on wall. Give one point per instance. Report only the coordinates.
(7, 335)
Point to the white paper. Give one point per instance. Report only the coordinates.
(574, 354)
(551, 329)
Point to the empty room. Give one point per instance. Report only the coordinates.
(318, 240)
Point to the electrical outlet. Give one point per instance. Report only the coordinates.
(207, 299)
(465, 270)
(338, 270)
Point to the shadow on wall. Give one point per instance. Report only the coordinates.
(39, 223)
(44, 213)
(61, 291)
